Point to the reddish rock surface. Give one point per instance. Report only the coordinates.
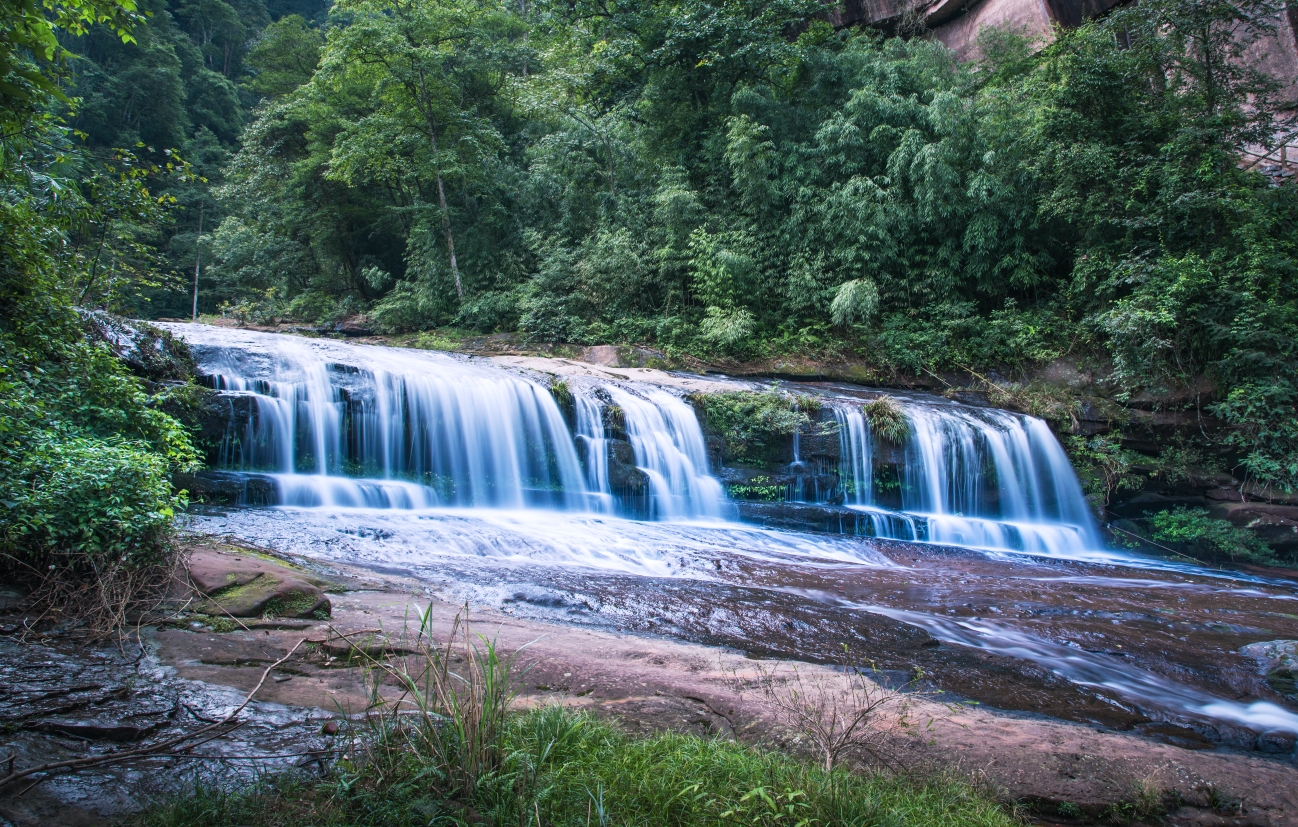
(244, 585)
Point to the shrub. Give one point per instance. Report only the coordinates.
(87, 501)
(1198, 534)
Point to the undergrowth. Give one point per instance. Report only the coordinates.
(563, 767)
(752, 424)
(440, 745)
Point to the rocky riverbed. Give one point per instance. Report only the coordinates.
(672, 649)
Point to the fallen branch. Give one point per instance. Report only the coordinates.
(155, 750)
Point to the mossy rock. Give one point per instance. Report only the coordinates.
(245, 585)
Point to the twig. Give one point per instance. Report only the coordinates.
(1112, 527)
(74, 764)
(317, 752)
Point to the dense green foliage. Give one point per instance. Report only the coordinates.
(84, 454)
(738, 179)
(753, 426)
(565, 768)
(722, 178)
(1195, 532)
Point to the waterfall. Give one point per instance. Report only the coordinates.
(329, 424)
(856, 456)
(669, 449)
(338, 425)
(975, 477)
(594, 444)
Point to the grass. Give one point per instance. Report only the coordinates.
(446, 749)
(561, 767)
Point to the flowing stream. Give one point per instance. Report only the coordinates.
(400, 458)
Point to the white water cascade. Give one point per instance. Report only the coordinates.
(331, 424)
(339, 425)
(669, 449)
(974, 477)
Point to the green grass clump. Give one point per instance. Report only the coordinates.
(566, 768)
(887, 419)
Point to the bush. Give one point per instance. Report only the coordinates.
(1200, 535)
(87, 501)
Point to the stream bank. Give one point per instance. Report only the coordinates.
(631, 657)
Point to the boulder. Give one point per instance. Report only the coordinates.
(242, 585)
(1278, 660)
(623, 475)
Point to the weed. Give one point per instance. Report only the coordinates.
(562, 394)
(844, 714)
(887, 419)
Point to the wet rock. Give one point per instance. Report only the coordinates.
(1276, 742)
(803, 517)
(624, 477)
(150, 352)
(94, 730)
(228, 488)
(245, 586)
(1279, 662)
(351, 327)
(1276, 524)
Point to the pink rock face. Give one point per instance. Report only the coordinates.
(957, 23)
(245, 586)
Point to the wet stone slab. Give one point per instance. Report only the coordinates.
(63, 700)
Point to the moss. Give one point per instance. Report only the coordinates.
(753, 425)
(295, 604)
(219, 623)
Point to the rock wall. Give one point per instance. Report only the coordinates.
(957, 23)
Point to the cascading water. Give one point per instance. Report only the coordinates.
(411, 439)
(669, 449)
(981, 478)
(338, 425)
(594, 446)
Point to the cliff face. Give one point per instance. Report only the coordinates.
(958, 22)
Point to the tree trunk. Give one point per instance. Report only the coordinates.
(198, 258)
(446, 225)
(441, 192)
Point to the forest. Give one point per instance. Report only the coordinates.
(722, 179)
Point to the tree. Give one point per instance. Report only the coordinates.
(433, 70)
(284, 57)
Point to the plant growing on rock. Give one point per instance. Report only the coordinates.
(1202, 535)
(886, 419)
(751, 424)
(1103, 466)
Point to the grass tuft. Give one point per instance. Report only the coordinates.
(887, 419)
